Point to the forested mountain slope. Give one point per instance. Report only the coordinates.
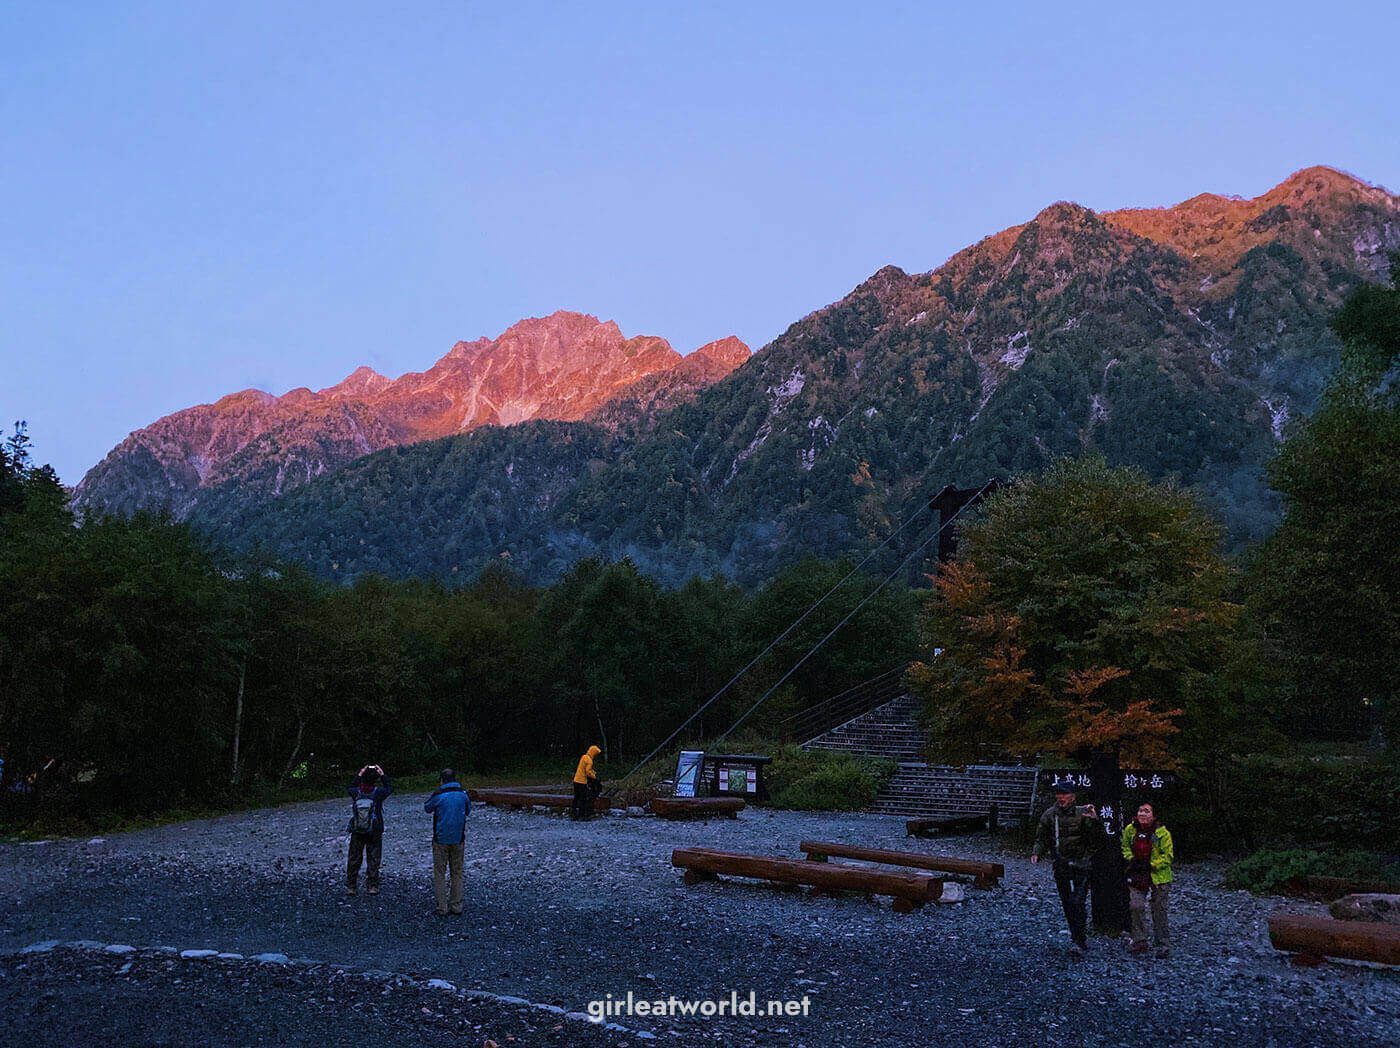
(1180, 340)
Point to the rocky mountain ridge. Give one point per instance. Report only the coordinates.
(566, 366)
(1179, 340)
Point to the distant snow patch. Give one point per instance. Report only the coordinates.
(823, 435)
(1018, 347)
(1366, 244)
(1278, 416)
(1207, 283)
(791, 387)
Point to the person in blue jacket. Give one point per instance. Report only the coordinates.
(366, 828)
(450, 805)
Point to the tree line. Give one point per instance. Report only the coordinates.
(140, 667)
(1089, 608)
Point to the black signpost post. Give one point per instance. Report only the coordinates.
(1108, 884)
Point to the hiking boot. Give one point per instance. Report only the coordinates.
(1163, 952)
(1138, 946)
(350, 891)
(372, 891)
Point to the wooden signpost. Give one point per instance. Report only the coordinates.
(1105, 783)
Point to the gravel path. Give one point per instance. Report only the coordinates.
(560, 914)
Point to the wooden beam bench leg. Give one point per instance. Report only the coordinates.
(902, 905)
(1307, 959)
(694, 877)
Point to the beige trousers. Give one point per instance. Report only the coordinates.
(1137, 906)
(445, 855)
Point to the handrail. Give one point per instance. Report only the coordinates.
(807, 724)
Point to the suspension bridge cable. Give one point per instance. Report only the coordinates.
(857, 608)
(800, 619)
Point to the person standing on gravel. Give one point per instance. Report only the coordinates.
(367, 792)
(450, 807)
(1147, 846)
(586, 786)
(1070, 835)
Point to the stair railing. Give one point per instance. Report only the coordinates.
(808, 724)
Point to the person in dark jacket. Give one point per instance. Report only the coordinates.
(1070, 835)
(450, 807)
(366, 828)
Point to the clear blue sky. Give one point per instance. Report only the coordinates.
(196, 197)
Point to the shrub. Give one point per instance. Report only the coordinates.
(822, 781)
(1267, 870)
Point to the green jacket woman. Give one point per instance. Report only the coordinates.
(1147, 846)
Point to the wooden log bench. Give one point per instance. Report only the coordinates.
(523, 799)
(696, 807)
(956, 824)
(1312, 939)
(909, 891)
(984, 874)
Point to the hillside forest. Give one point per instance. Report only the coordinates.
(142, 667)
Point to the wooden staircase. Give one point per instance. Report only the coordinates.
(934, 791)
(891, 731)
(919, 789)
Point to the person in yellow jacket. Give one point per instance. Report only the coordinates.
(586, 785)
(1147, 847)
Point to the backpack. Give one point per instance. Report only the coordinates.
(362, 819)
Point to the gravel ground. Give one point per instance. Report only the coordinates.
(560, 914)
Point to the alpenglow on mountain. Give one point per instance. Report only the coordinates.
(565, 366)
(1180, 340)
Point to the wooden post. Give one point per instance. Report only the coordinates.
(1108, 880)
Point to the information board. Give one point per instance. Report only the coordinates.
(688, 772)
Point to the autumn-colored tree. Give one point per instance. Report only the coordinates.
(1085, 611)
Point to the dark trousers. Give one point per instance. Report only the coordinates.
(1073, 885)
(583, 801)
(367, 846)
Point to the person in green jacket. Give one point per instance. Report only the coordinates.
(1147, 847)
(1069, 834)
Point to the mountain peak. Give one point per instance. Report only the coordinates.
(560, 322)
(1319, 179)
(1064, 213)
(729, 352)
(363, 381)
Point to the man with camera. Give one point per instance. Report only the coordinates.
(367, 792)
(1070, 834)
